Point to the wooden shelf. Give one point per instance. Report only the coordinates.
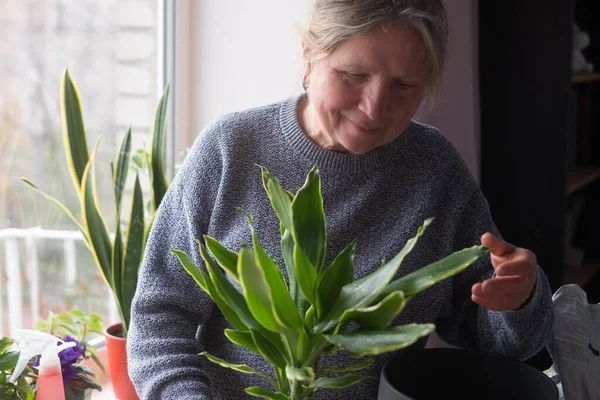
(580, 274)
(582, 176)
(583, 77)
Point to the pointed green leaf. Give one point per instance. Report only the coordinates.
(270, 346)
(75, 139)
(425, 277)
(230, 295)
(226, 258)
(309, 318)
(158, 178)
(301, 374)
(64, 208)
(208, 286)
(256, 391)
(117, 269)
(195, 272)
(120, 174)
(134, 251)
(101, 246)
(287, 250)
(306, 274)
(379, 315)
(237, 367)
(284, 305)
(339, 382)
(309, 220)
(364, 343)
(256, 291)
(280, 200)
(330, 283)
(363, 291)
(243, 339)
(350, 368)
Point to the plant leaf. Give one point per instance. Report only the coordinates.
(229, 294)
(74, 136)
(100, 244)
(284, 306)
(237, 367)
(158, 178)
(5, 343)
(268, 349)
(117, 268)
(309, 220)
(363, 291)
(280, 200)
(339, 382)
(256, 391)
(356, 367)
(306, 274)
(64, 208)
(425, 277)
(379, 315)
(363, 343)
(227, 259)
(243, 339)
(134, 251)
(256, 291)
(120, 174)
(205, 283)
(287, 250)
(8, 360)
(330, 283)
(301, 374)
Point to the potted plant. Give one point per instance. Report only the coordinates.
(74, 326)
(118, 255)
(21, 390)
(318, 309)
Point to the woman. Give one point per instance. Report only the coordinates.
(369, 66)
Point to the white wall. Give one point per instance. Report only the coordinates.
(246, 53)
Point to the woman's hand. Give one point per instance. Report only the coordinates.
(516, 271)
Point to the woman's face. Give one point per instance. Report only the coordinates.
(365, 93)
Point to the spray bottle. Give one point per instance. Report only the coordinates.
(31, 343)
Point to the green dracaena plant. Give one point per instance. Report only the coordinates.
(290, 323)
(117, 255)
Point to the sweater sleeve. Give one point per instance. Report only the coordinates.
(169, 307)
(517, 333)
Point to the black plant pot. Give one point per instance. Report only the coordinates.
(444, 373)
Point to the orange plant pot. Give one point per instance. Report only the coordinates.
(117, 363)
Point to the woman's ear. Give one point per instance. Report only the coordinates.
(307, 66)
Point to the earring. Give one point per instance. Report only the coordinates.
(304, 84)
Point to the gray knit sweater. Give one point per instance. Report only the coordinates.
(379, 199)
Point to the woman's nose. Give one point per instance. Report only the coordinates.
(374, 102)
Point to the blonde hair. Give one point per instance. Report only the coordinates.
(330, 22)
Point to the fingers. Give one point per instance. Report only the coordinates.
(501, 285)
(502, 292)
(504, 304)
(497, 246)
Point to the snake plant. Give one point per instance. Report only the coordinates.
(291, 322)
(118, 255)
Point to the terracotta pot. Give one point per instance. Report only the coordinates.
(117, 363)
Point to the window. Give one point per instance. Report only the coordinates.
(113, 51)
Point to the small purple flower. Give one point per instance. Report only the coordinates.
(68, 357)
